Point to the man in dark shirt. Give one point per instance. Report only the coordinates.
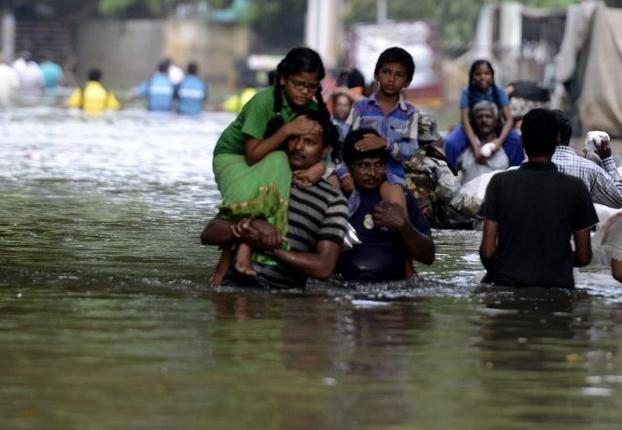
(530, 215)
(390, 238)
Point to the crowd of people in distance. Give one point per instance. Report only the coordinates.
(27, 79)
(172, 90)
(169, 89)
(351, 187)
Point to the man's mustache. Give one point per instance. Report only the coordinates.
(297, 154)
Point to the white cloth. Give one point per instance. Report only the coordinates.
(31, 81)
(175, 74)
(9, 83)
(471, 169)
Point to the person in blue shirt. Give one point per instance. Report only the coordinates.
(158, 90)
(191, 93)
(52, 72)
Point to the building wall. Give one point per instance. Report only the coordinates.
(216, 48)
(128, 51)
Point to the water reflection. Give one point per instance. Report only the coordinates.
(539, 342)
(348, 344)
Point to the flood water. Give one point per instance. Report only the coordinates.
(107, 320)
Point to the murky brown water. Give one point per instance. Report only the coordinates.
(106, 320)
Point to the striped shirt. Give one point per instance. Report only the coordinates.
(604, 184)
(316, 213)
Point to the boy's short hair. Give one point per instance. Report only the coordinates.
(396, 55)
(351, 154)
(540, 132)
(193, 68)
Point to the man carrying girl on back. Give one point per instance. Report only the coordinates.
(252, 173)
(395, 120)
(481, 87)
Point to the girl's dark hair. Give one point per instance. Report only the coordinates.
(298, 60)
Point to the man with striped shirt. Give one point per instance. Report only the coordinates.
(604, 183)
(318, 216)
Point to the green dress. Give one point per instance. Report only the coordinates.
(260, 190)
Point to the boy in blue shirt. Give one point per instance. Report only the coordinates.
(395, 120)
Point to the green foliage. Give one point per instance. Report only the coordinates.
(156, 7)
(549, 4)
(280, 23)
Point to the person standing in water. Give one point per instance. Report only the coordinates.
(93, 98)
(252, 173)
(390, 238)
(482, 86)
(158, 90)
(191, 93)
(531, 213)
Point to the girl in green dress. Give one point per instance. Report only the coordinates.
(252, 173)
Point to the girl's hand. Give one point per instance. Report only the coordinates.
(301, 125)
(347, 184)
(369, 142)
(310, 176)
(259, 234)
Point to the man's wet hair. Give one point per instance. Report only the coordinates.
(565, 128)
(95, 75)
(164, 65)
(396, 55)
(486, 105)
(540, 132)
(330, 134)
(351, 154)
(193, 68)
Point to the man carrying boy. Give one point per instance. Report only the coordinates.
(317, 220)
(531, 213)
(390, 238)
(395, 120)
